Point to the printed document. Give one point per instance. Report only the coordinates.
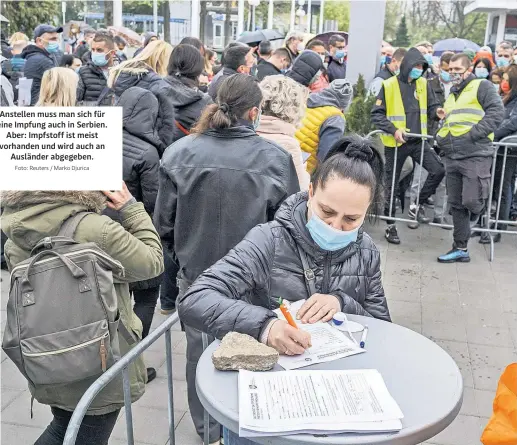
(290, 402)
(328, 343)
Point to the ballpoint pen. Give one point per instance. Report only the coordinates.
(363, 337)
(287, 314)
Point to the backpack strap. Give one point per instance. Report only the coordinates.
(69, 227)
(181, 128)
(68, 231)
(308, 273)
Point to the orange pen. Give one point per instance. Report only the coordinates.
(287, 314)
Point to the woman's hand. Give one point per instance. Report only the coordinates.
(117, 198)
(320, 307)
(288, 340)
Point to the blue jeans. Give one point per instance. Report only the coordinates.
(234, 439)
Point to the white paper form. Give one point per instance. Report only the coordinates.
(315, 401)
(328, 344)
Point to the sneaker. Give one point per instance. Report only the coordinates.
(167, 311)
(392, 235)
(151, 374)
(443, 220)
(455, 256)
(429, 202)
(485, 238)
(418, 213)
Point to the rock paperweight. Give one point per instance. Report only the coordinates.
(240, 351)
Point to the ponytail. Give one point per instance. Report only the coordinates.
(236, 96)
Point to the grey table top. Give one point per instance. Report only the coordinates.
(423, 379)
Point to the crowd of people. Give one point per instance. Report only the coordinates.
(239, 174)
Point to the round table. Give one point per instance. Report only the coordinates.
(423, 379)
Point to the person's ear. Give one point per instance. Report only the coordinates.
(253, 113)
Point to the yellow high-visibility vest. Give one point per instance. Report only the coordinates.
(309, 133)
(464, 112)
(395, 111)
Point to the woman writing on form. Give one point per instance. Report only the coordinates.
(239, 292)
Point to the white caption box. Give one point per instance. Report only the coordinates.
(61, 148)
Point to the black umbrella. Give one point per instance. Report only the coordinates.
(325, 37)
(260, 35)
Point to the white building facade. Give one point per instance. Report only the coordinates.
(502, 19)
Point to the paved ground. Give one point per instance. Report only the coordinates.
(470, 310)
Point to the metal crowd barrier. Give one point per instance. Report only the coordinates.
(122, 367)
(488, 221)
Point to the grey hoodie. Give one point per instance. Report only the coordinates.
(334, 127)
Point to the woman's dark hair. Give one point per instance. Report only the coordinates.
(66, 60)
(485, 62)
(511, 72)
(186, 64)
(354, 157)
(194, 41)
(237, 95)
(497, 72)
(119, 41)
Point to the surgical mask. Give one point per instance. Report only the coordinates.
(416, 73)
(502, 62)
(429, 59)
(300, 47)
(481, 73)
(284, 70)
(396, 72)
(77, 70)
(120, 53)
(515, 59)
(99, 59)
(496, 86)
(52, 47)
(325, 65)
(445, 76)
(256, 122)
(382, 61)
(456, 78)
(340, 54)
(327, 237)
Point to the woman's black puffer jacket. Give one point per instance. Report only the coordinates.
(143, 77)
(189, 103)
(141, 160)
(236, 294)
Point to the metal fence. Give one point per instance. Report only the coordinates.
(489, 224)
(122, 367)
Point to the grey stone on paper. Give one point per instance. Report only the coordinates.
(240, 351)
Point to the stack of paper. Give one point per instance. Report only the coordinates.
(315, 402)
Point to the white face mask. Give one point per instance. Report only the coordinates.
(300, 47)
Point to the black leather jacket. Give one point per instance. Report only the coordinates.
(214, 188)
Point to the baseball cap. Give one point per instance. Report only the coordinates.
(42, 29)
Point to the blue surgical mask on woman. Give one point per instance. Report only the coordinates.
(445, 76)
(502, 62)
(429, 59)
(99, 59)
(481, 73)
(327, 237)
(416, 73)
(52, 47)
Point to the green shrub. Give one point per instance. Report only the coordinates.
(358, 115)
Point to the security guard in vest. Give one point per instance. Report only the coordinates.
(473, 111)
(404, 104)
(324, 122)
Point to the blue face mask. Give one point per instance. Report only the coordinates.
(256, 122)
(481, 73)
(99, 59)
(120, 53)
(416, 73)
(327, 237)
(340, 54)
(446, 77)
(429, 59)
(501, 62)
(52, 47)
